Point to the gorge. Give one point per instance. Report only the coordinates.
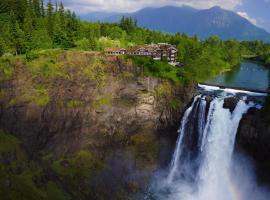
(85, 142)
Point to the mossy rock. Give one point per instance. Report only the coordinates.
(74, 104)
(103, 101)
(145, 147)
(8, 143)
(80, 164)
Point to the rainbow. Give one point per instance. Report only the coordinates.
(235, 194)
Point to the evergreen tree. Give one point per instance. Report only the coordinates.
(17, 35)
(59, 37)
(61, 12)
(4, 7)
(128, 24)
(56, 7)
(28, 26)
(37, 8)
(42, 10)
(50, 19)
(19, 8)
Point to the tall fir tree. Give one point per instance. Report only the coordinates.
(28, 26)
(56, 6)
(61, 13)
(42, 9)
(50, 19)
(37, 8)
(17, 35)
(19, 8)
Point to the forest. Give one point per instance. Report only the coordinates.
(28, 26)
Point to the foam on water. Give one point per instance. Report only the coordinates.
(231, 90)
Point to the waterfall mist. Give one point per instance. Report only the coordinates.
(203, 166)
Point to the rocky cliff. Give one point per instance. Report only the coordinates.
(253, 139)
(92, 124)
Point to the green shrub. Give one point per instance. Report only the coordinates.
(8, 143)
(74, 103)
(160, 69)
(7, 62)
(2, 49)
(40, 96)
(103, 101)
(83, 44)
(31, 55)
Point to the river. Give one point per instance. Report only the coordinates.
(249, 75)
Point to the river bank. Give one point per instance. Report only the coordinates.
(263, 59)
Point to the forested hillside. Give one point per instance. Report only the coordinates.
(28, 26)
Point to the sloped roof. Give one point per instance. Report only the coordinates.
(114, 49)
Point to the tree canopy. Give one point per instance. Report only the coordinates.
(28, 25)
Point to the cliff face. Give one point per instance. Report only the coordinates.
(253, 136)
(91, 117)
(253, 139)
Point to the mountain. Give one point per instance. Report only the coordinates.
(203, 23)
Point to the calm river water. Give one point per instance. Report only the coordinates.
(249, 75)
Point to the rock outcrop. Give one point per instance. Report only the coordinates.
(253, 139)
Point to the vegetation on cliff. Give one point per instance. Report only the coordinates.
(21, 177)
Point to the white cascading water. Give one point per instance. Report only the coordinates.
(178, 151)
(201, 167)
(214, 175)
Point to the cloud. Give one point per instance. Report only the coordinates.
(245, 15)
(84, 6)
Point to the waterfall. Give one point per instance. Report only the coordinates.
(201, 164)
(214, 176)
(178, 152)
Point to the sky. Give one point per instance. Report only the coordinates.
(256, 11)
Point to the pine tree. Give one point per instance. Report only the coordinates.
(4, 7)
(17, 35)
(19, 8)
(42, 10)
(61, 12)
(56, 7)
(37, 8)
(28, 26)
(59, 36)
(50, 20)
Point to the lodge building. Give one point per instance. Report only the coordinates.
(115, 51)
(156, 51)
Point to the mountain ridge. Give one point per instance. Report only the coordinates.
(203, 23)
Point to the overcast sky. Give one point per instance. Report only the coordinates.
(257, 11)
